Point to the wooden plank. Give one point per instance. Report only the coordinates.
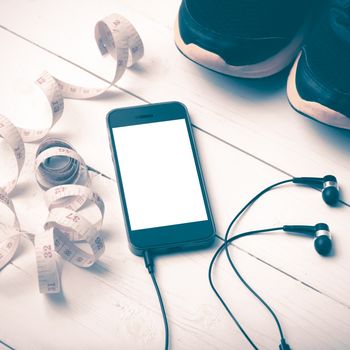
(113, 304)
(119, 282)
(237, 111)
(230, 174)
(24, 103)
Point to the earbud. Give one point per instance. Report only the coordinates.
(328, 185)
(322, 241)
(320, 233)
(330, 190)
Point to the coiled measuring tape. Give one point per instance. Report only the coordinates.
(60, 170)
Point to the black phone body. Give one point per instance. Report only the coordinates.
(161, 186)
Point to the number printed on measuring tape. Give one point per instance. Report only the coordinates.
(68, 186)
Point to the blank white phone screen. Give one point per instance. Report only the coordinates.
(159, 175)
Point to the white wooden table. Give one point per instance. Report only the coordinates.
(248, 137)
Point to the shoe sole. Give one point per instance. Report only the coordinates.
(312, 109)
(262, 69)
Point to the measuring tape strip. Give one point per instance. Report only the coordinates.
(116, 36)
(66, 227)
(10, 236)
(48, 277)
(12, 137)
(61, 171)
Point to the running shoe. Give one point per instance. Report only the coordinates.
(242, 38)
(319, 82)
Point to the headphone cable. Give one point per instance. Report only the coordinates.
(244, 281)
(8, 346)
(283, 345)
(252, 201)
(217, 253)
(149, 263)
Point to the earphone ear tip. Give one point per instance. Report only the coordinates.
(330, 178)
(330, 195)
(323, 245)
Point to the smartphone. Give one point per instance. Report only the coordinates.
(161, 185)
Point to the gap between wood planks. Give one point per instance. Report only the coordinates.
(201, 130)
(147, 101)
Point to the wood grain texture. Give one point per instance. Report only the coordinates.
(113, 304)
(231, 177)
(235, 110)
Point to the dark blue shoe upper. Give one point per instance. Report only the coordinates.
(323, 72)
(242, 32)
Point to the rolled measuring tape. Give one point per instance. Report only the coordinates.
(61, 171)
(64, 175)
